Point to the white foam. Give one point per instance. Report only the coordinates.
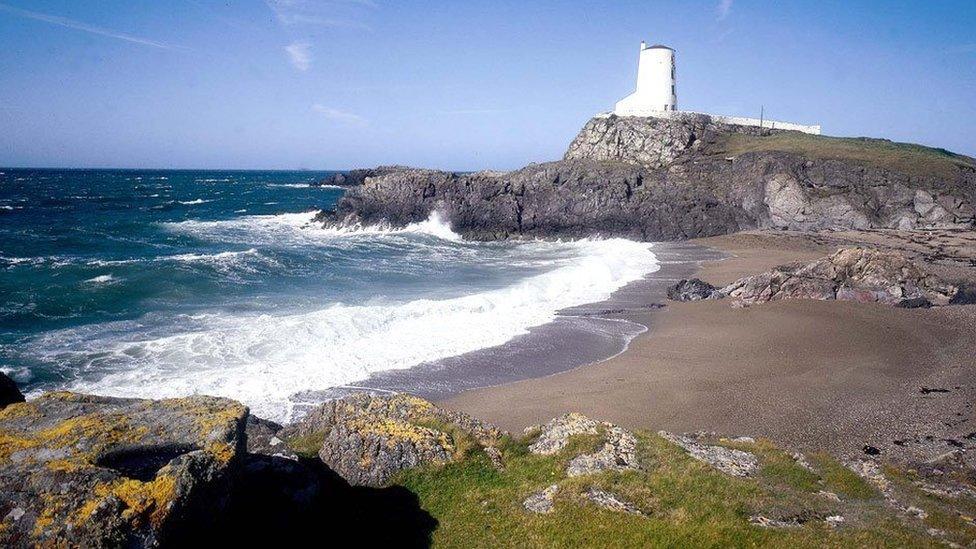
(193, 202)
(264, 359)
(20, 375)
(208, 258)
(102, 279)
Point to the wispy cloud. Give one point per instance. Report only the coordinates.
(85, 27)
(338, 115)
(723, 9)
(317, 13)
(300, 55)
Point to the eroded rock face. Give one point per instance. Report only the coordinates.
(80, 470)
(648, 141)
(366, 439)
(9, 393)
(850, 274)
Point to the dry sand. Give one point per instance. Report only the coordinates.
(809, 375)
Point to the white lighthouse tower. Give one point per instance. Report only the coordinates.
(656, 92)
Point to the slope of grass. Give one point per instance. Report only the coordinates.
(683, 502)
(906, 158)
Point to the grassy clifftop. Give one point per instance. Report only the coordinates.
(679, 501)
(908, 158)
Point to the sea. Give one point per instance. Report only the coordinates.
(165, 283)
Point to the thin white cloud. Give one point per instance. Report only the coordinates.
(317, 13)
(300, 55)
(338, 115)
(78, 25)
(723, 9)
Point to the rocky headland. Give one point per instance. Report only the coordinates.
(680, 178)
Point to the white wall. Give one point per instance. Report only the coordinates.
(736, 120)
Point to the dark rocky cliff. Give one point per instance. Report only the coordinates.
(686, 177)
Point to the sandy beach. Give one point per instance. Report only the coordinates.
(810, 375)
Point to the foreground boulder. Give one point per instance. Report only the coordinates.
(90, 471)
(366, 439)
(9, 394)
(851, 274)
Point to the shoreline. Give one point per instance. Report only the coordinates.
(578, 336)
(828, 376)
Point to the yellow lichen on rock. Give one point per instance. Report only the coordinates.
(147, 500)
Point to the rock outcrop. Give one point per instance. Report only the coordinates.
(89, 471)
(618, 453)
(672, 179)
(693, 289)
(555, 435)
(356, 177)
(610, 502)
(366, 439)
(542, 502)
(850, 274)
(9, 393)
(737, 463)
(650, 142)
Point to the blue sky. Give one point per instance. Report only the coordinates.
(458, 85)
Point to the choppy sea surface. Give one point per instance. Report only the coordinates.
(167, 283)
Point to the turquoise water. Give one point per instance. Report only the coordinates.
(165, 283)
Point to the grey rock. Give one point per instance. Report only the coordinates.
(795, 520)
(611, 502)
(9, 393)
(732, 462)
(648, 141)
(618, 453)
(262, 439)
(356, 177)
(850, 274)
(366, 439)
(541, 502)
(555, 435)
(693, 289)
(107, 472)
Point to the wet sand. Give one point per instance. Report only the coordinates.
(809, 375)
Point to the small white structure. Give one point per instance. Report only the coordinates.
(656, 90)
(657, 94)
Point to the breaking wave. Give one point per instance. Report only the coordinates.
(263, 359)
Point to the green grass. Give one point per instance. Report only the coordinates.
(901, 157)
(307, 446)
(684, 502)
